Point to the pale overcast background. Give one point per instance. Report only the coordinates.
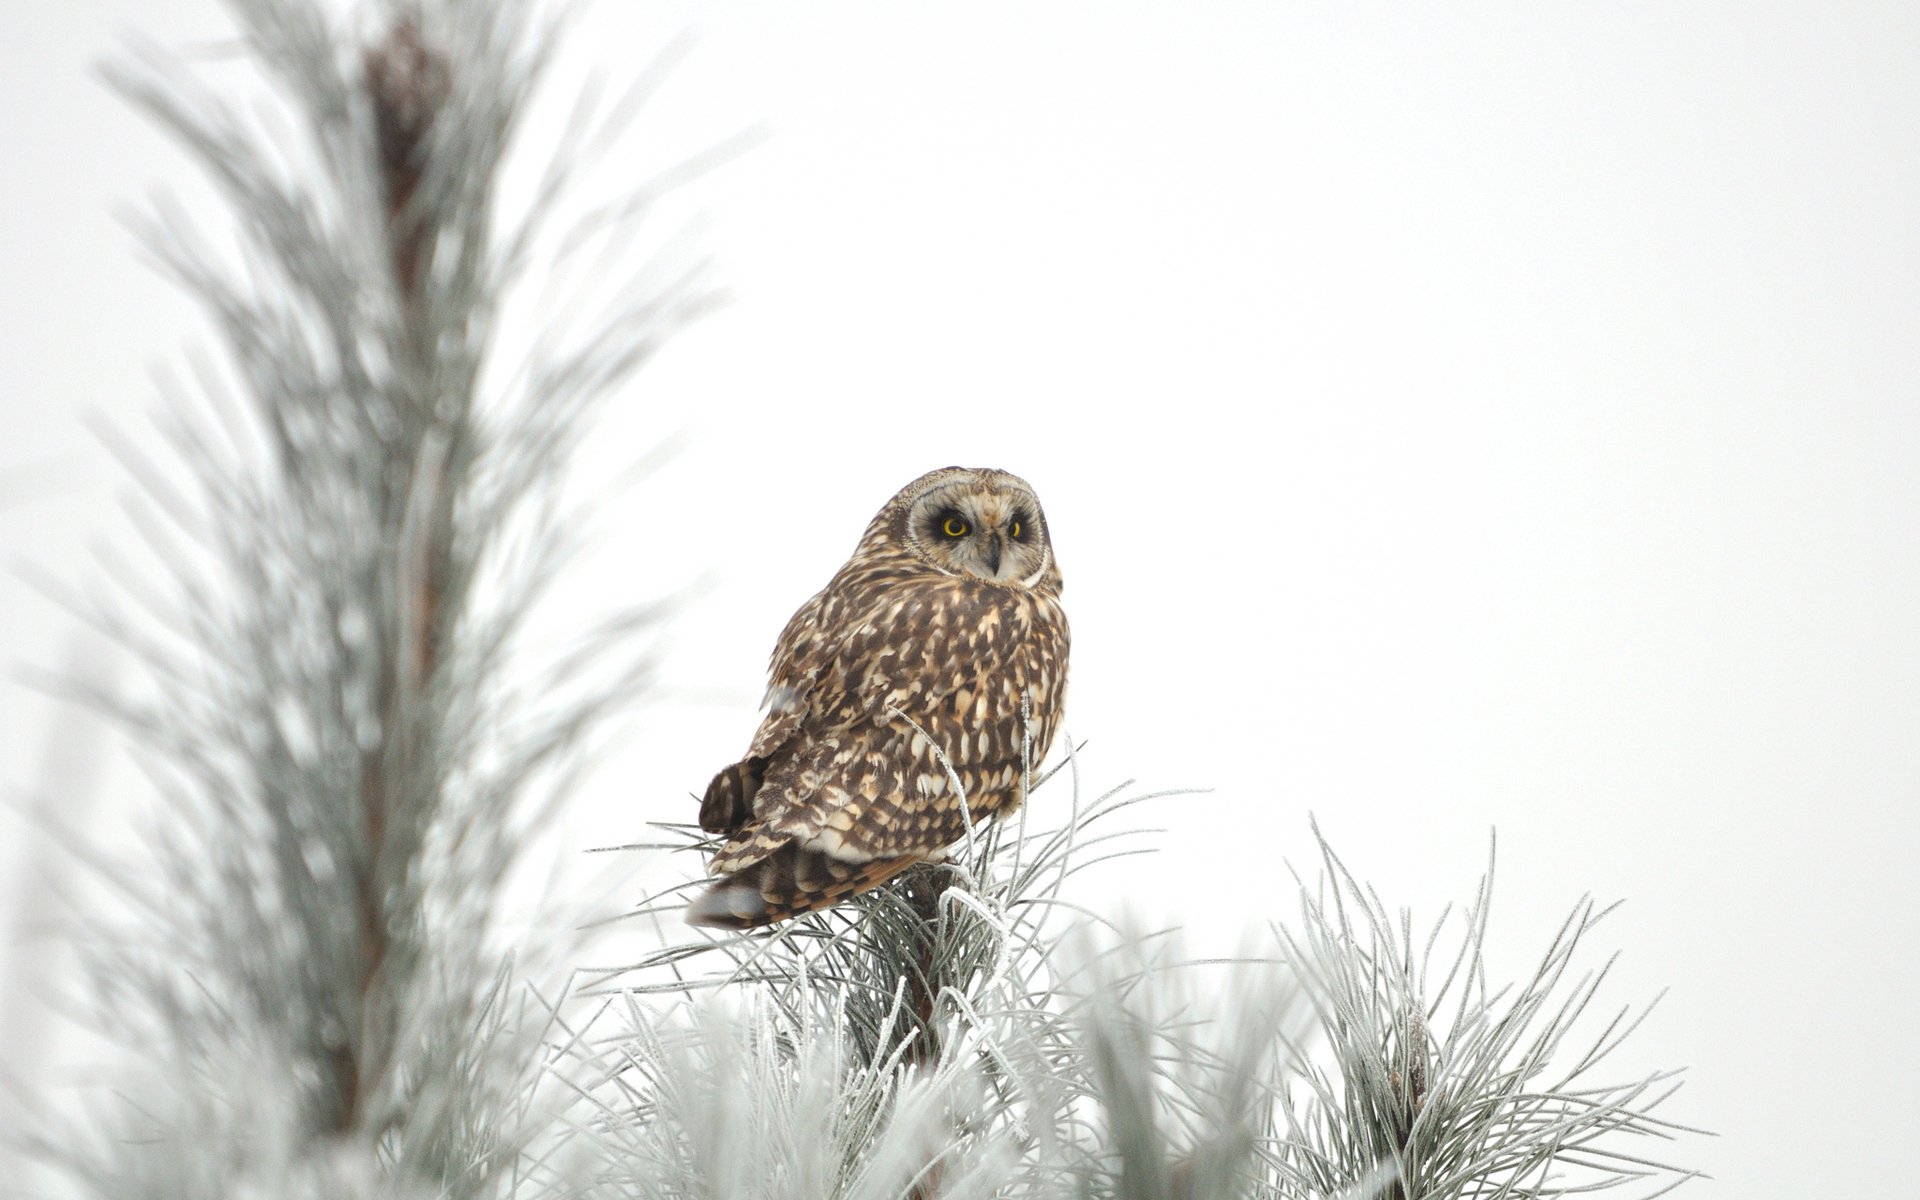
(1453, 418)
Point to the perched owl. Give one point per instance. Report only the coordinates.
(947, 617)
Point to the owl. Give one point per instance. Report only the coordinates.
(910, 670)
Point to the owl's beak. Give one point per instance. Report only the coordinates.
(993, 554)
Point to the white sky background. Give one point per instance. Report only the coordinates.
(1505, 419)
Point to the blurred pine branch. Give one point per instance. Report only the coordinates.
(352, 755)
(353, 738)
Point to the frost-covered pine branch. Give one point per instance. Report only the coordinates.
(351, 736)
(1465, 1086)
(1069, 1057)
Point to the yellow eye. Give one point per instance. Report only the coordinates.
(1016, 529)
(954, 528)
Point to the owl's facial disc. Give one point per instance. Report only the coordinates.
(988, 533)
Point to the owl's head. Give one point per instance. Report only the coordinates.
(981, 523)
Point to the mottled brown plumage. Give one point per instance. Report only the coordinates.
(948, 618)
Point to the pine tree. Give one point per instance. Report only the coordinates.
(350, 751)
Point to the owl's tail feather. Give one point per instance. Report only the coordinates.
(790, 881)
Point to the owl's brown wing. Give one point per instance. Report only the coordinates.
(819, 676)
(936, 673)
(799, 656)
(803, 654)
